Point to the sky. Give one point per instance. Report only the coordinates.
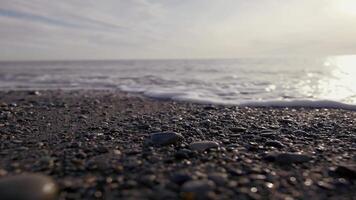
(149, 29)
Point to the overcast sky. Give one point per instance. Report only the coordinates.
(116, 29)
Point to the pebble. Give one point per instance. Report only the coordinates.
(180, 178)
(237, 129)
(203, 145)
(183, 154)
(218, 178)
(288, 158)
(165, 138)
(198, 186)
(346, 171)
(28, 187)
(35, 93)
(268, 135)
(274, 143)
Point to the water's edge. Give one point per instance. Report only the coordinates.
(307, 103)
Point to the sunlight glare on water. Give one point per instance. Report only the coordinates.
(341, 84)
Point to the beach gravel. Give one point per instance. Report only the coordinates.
(115, 145)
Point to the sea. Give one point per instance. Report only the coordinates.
(322, 82)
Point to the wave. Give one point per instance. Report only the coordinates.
(328, 104)
(196, 98)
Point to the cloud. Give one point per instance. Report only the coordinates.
(113, 29)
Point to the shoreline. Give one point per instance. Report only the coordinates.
(93, 143)
(265, 104)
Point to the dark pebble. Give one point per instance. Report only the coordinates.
(237, 129)
(346, 171)
(165, 138)
(287, 158)
(203, 145)
(179, 178)
(274, 143)
(198, 186)
(28, 187)
(183, 154)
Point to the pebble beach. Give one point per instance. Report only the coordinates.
(101, 144)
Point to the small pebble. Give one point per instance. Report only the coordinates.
(198, 186)
(288, 158)
(28, 187)
(203, 145)
(165, 138)
(346, 171)
(274, 143)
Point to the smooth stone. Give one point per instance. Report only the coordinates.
(274, 143)
(237, 129)
(218, 178)
(180, 178)
(198, 186)
(203, 145)
(183, 154)
(36, 93)
(288, 158)
(28, 187)
(346, 171)
(268, 135)
(165, 138)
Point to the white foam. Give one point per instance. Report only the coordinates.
(300, 103)
(205, 99)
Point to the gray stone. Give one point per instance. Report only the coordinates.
(288, 158)
(237, 129)
(274, 143)
(165, 138)
(28, 187)
(218, 178)
(203, 145)
(198, 186)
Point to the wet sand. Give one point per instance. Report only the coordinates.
(96, 145)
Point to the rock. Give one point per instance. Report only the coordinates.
(35, 93)
(218, 178)
(180, 178)
(165, 138)
(346, 171)
(198, 186)
(28, 187)
(270, 135)
(183, 154)
(237, 129)
(274, 143)
(288, 158)
(203, 145)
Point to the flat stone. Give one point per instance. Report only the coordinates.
(183, 154)
(268, 135)
(346, 171)
(203, 145)
(28, 187)
(237, 129)
(274, 143)
(165, 138)
(198, 186)
(36, 93)
(218, 178)
(180, 178)
(288, 158)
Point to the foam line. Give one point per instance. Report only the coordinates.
(300, 103)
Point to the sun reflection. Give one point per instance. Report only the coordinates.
(341, 82)
(347, 7)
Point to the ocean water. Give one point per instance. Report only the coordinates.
(315, 82)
